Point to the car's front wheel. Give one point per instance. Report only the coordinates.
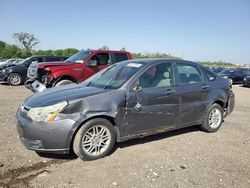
(94, 140)
(213, 119)
(63, 82)
(15, 79)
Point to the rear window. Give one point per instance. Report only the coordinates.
(120, 57)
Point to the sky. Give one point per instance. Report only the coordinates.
(197, 30)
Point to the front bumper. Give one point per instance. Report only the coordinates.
(52, 137)
(3, 77)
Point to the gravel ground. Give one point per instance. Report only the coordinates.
(182, 158)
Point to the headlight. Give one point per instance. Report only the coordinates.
(6, 70)
(47, 113)
(225, 76)
(245, 79)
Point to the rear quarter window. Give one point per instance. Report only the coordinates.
(208, 74)
(120, 57)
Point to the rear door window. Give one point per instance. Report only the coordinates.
(188, 73)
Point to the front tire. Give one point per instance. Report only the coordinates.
(63, 82)
(94, 140)
(213, 119)
(15, 79)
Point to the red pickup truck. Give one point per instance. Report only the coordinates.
(75, 69)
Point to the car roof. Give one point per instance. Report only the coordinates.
(156, 60)
(114, 51)
(47, 56)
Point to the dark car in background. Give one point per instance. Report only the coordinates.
(246, 81)
(16, 73)
(130, 99)
(235, 74)
(216, 69)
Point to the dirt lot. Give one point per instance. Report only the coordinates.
(183, 158)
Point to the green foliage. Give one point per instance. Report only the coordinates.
(10, 51)
(69, 51)
(2, 45)
(153, 55)
(104, 48)
(216, 64)
(27, 41)
(13, 51)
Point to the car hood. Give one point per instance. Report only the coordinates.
(5, 65)
(56, 95)
(55, 63)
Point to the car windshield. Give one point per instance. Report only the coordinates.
(79, 57)
(23, 61)
(114, 76)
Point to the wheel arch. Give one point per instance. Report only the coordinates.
(63, 77)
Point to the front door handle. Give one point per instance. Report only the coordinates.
(205, 87)
(170, 91)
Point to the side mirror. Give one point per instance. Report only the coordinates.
(93, 63)
(137, 88)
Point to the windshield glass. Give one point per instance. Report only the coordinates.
(79, 57)
(23, 61)
(114, 76)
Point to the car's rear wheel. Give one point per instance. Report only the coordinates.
(63, 82)
(94, 140)
(15, 79)
(213, 119)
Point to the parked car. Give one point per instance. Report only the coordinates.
(127, 100)
(216, 69)
(77, 68)
(9, 62)
(246, 81)
(236, 74)
(16, 73)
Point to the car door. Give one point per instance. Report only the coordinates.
(194, 91)
(155, 104)
(102, 59)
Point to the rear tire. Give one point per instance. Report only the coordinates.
(63, 82)
(213, 119)
(15, 79)
(94, 140)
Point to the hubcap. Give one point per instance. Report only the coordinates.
(215, 118)
(15, 79)
(96, 140)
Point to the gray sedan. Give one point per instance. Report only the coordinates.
(127, 100)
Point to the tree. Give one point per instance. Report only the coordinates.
(104, 48)
(2, 45)
(28, 41)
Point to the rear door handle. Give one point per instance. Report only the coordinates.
(170, 91)
(205, 87)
